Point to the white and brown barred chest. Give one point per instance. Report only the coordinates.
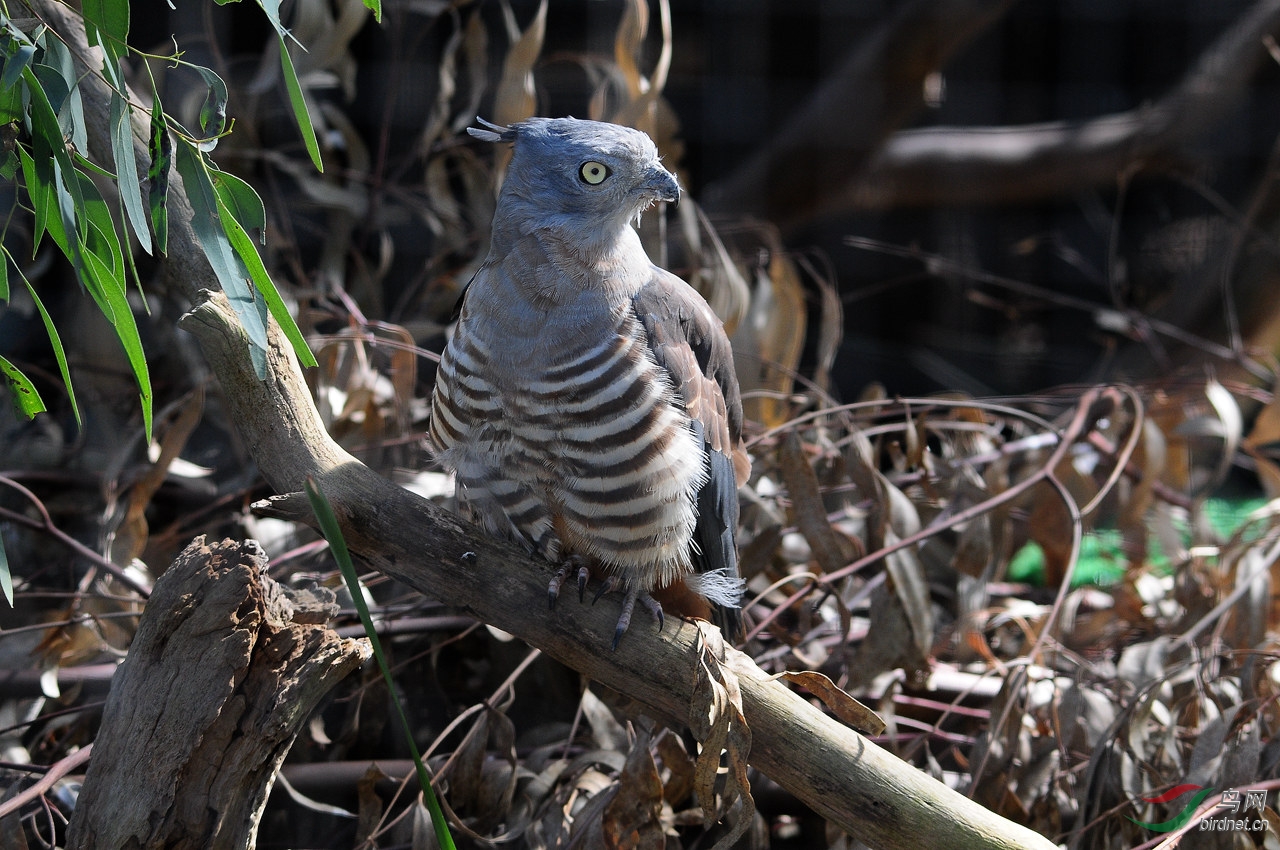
(583, 447)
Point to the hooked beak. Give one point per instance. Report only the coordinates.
(662, 185)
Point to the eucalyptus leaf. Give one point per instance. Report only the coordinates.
(14, 65)
(242, 201)
(230, 271)
(299, 103)
(23, 392)
(248, 254)
(160, 148)
(70, 105)
(107, 25)
(127, 170)
(60, 353)
(213, 112)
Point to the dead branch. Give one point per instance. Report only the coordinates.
(223, 673)
(829, 141)
(966, 165)
(865, 790)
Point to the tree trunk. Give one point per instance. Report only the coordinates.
(224, 671)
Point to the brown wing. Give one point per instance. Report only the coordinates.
(689, 342)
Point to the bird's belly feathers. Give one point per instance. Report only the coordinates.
(597, 444)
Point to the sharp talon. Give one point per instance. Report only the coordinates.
(583, 572)
(655, 608)
(624, 620)
(605, 586)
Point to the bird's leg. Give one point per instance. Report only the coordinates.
(566, 566)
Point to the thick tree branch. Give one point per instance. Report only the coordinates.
(868, 792)
(967, 165)
(830, 139)
(222, 674)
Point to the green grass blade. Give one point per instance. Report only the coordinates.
(338, 545)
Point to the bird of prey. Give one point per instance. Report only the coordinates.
(587, 401)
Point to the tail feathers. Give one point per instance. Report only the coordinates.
(723, 588)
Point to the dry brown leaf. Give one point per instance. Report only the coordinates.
(717, 723)
(831, 549)
(370, 804)
(608, 733)
(851, 712)
(780, 319)
(130, 539)
(679, 768)
(633, 818)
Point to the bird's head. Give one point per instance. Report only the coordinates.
(583, 175)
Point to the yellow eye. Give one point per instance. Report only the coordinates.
(593, 172)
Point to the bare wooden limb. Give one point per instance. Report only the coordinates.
(220, 678)
(829, 141)
(967, 165)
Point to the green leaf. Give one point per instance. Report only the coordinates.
(338, 545)
(107, 24)
(47, 144)
(22, 390)
(68, 204)
(271, 8)
(375, 6)
(228, 267)
(242, 200)
(14, 65)
(59, 352)
(69, 106)
(248, 254)
(127, 170)
(213, 112)
(299, 103)
(38, 177)
(160, 147)
(97, 231)
(120, 315)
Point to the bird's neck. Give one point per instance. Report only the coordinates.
(570, 258)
